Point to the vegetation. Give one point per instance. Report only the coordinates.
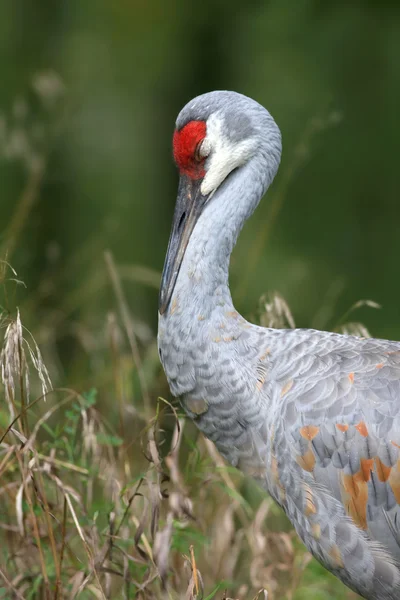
(106, 491)
(130, 502)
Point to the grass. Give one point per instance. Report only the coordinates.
(109, 492)
(132, 502)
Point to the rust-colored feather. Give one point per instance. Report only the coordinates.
(355, 497)
(309, 432)
(307, 460)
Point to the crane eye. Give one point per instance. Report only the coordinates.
(197, 153)
(202, 150)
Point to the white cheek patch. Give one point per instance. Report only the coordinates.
(225, 156)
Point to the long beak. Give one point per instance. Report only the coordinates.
(189, 205)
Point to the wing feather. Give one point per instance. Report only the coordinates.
(337, 451)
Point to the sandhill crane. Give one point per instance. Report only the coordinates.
(313, 416)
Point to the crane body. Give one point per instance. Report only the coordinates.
(313, 416)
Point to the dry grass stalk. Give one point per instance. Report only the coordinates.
(177, 527)
(14, 371)
(275, 312)
(128, 324)
(35, 522)
(10, 585)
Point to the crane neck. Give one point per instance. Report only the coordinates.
(203, 278)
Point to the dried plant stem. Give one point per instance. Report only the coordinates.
(128, 324)
(128, 506)
(117, 370)
(13, 408)
(30, 442)
(114, 534)
(119, 389)
(35, 524)
(86, 546)
(10, 585)
(7, 459)
(24, 207)
(63, 536)
(61, 463)
(46, 509)
(15, 419)
(24, 403)
(217, 459)
(144, 539)
(194, 569)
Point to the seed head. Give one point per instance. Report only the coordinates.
(14, 367)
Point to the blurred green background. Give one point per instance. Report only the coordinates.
(128, 67)
(88, 98)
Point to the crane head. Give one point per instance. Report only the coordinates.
(215, 134)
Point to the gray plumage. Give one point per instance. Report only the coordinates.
(313, 416)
